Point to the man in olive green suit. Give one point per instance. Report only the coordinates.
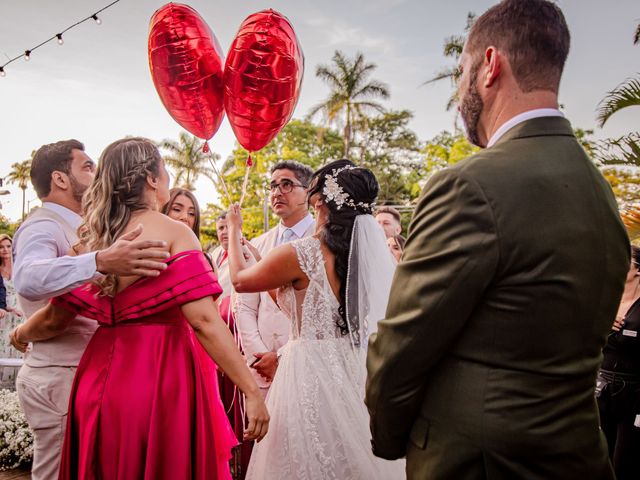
(513, 269)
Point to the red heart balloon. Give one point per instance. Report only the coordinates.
(186, 66)
(262, 78)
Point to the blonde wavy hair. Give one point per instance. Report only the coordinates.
(117, 191)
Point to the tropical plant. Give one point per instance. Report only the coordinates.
(187, 160)
(452, 48)
(392, 152)
(299, 140)
(20, 175)
(352, 94)
(625, 149)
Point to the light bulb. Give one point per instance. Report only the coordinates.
(27, 55)
(95, 17)
(60, 40)
(2, 72)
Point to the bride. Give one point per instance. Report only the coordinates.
(334, 288)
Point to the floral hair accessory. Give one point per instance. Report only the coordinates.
(334, 192)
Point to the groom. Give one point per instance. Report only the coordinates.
(514, 265)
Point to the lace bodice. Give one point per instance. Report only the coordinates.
(314, 312)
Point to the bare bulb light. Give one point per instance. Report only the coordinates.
(27, 55)
(2, 72)
(98, 21)
(60, 40)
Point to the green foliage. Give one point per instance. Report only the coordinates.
(627, 94)
(452, 48)
(187, 160)
(446, 149)
(625, 182)
(20, 175)
(299, 140)
(392, 152)
(352, 94)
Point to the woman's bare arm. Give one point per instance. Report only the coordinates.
(214, 335)
(278, 268)
(48, 322)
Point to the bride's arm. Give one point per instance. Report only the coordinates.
(279, 267)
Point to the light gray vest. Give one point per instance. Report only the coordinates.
(66, 349)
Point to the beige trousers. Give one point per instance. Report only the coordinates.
(44, 396)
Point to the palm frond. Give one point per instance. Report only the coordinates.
(636, 35)
(625, 95)
(619, 151)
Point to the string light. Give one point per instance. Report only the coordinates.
(58, 37)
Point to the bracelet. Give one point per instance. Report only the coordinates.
(15, 334)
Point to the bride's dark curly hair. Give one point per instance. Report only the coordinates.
(361, 186)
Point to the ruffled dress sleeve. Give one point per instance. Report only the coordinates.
(188, 277)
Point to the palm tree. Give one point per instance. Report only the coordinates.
(625, 149)
(351, 93)
(20, 175)
(187, 160)
(453, 46)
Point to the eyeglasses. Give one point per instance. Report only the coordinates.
(285, 186)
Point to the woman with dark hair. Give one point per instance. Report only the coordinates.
(618, 384)
(143, 404)
(183, 207)
(334, 288)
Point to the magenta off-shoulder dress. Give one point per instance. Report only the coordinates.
(145, 401)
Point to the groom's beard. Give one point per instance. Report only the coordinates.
(471, 109)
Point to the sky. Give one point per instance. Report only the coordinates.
(97, 86)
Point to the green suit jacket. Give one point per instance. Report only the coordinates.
(511, 277)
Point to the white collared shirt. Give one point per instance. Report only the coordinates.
(522, 117)
(298, 229)
(42, 269)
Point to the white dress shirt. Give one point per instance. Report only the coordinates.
(522, 117)
(41, 270)
(298, 229)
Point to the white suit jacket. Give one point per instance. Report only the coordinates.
(262, 326)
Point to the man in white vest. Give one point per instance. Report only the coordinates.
(264, 329)
(60, 174)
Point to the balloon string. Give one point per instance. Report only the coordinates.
(220, 177)
(245, 182)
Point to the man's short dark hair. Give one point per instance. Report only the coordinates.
(390, 210)
(534, 36)
(49, 158)
(301, 171)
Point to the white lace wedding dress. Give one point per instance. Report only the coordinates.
(319, 425)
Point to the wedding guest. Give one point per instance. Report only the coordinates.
(486, 362)
(142, 402)
(389, 219)
(263, 327)
(396, 246)
(231, 397)
(618, 384)
(60, 174)
(13, 316)
(319, 423)
(183, 207)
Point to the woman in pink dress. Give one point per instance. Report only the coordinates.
(143, 405)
